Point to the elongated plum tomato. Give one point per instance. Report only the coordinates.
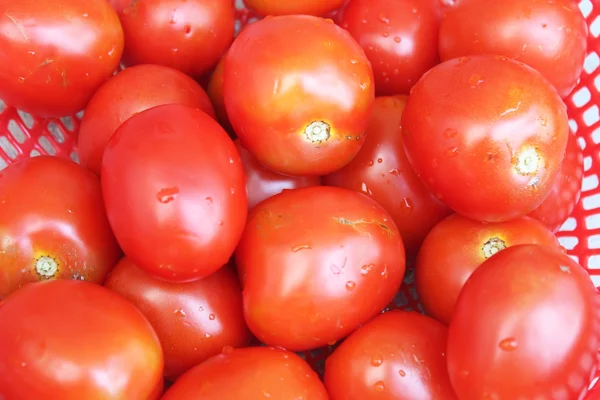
(550, 36)
(317, 8)
(487, 136)
(330, 257)
(526, 325)
(52, 224)
(457, 246)
(46, 75)
(133, 90)
(298, 90)
(382, 171)
(250, 373)
(397, 356)
(78, 341)
(176, 204)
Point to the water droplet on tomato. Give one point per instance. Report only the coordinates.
(475, 80)
(452, 152)
(209, 200)
(402, 373)
(394, 172)
(220, 223)
(509, 344)
(397, 39)
(350, 285)
(301, 247)
(379, 386)
(380, 160)
(232, 190)
(335, 269)
(212, 317)
(187, 29)
(376, 361)
(383, 18)
(200, 308)
(208, 336)
(370, 163)
(450, 133)
(385, 34)
(407, 205)
(365, 269)
(167, 195)
(179, 312)
(231, 161)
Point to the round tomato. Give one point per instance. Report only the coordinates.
(252, 373)
(382, 171)
(526, 325)
(400, 38)
(316, 263)
(307, 7)
(298, 91)
(193, 320)
(550, 36)
(215, 92)
(487, 136)
(188, 35)
(457, 246)
(52, 224)
(133, 90)
(177, 205)
(73, 340)
(46, 74)
(566, 189)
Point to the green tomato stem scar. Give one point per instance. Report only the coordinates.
(528, 162)
(493, 246)
(46, 267)
(317, 131)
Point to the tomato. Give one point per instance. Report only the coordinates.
(308, 7)
(550, 36)
(565, 191)
(316, 263)
(188, 35)
(215, 92)
(298, 91)
(457, 246)
(398, 355)
(177, 206)
(52, 224)
(72, 340)
(526, 325)
(44, 73)
(133, 90)
(193, 321)
(382, 171)
(252, 373)
(400, 38)
(487, 136)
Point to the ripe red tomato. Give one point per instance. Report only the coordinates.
(53, 224)
(316, 263)
(131, 91)
(526, 325)
(382, 171)
(42, 71)
(298, 91)
(215, 92)
(550, 36)
(307, 7)
(73, 340)
(566, 189)
(457, 246)
(252, 373)
(398, 355)
(400, 38)
(188, 35)
(177, 206)
(487, 136)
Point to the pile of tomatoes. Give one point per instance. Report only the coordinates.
(243, 201)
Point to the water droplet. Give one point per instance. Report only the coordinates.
(172, 20)
(380, 160)
(406, 204)
(209, 200)
(384, 273)
(85, 15)
(397, 39)
(402, 373)
(332, 343)
(227, 350)
(353, 61)
(231, 161)
(179, 312)
(232, 190)
(365, 189)
(167, 195)
(450, 133)
(394, 172)
(544, 25)
(187, 29)
(301, 247)
(335, 269)
(220, 223)
(31, 53)
(385, 34)
(376, 361)
(365, 269)
(543, 121)
(350, 285)
(452, 152)
(383, 18)
(370, 163)
(508, 344)
(475, 80)
(379, 386)
(21, 79)
(364, 21)
(23, 364)
(212, 317)
(208, 336)
(200, 308)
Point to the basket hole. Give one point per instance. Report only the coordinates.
(595, 27)
(239, 4)
(568, 242)
(573, 125)
(597, 83)
(68, 123)
(74, 157)
(587, 163)
(26, 118)
(589, 183)
(582, 143)
(8, 148)
(400, 300)
(592, 222)
(35, 153)
(2, 106)
(594, 242)
(16, 131)
(592, 61)
(79, 115)
(569, 225)
(3, 163)
(591, 202)
(46, 145)
(56, 132)
(595, 278)
(586, 7)
(582, 97)
(591, 115)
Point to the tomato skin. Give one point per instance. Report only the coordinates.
(398, 355)
(52, 224)
(188, 35)
(400, 39)
(48, 75)
(331, 258)
(457, 246)
(526, 325)
(486, 135)
(298, 91)
(215, 92)
(251, 373)
(159, 177)
(78, 341)
(382, 171)
(317, 8)
(131, 91)
(550, 36)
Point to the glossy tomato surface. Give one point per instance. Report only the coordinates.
(131, 91)
(215, 92)
(397, 356)
(193, 320)
(316, 263)
(176, 204)
(298, 90)
(56, 53)
(400, 39)
(73, 340)
(457, 246)
(550, 36)
(188, 35)
(526, 325)
(382, 171)
(52, 224)
(252, 373)
(487, 136)
(317, 8)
